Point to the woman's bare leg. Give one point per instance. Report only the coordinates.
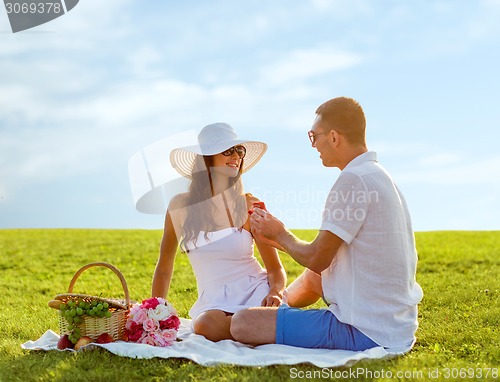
(213, 325)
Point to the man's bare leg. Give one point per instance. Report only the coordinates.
(305, 290)
(255, 326)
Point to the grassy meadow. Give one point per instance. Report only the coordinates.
(459, 315)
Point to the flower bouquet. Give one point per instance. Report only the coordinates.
(154, 322)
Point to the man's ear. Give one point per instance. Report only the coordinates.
(335, 136)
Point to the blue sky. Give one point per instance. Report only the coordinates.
(79, 96)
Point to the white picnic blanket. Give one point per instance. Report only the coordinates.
(207, 353)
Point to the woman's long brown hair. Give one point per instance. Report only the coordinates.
(200, 211)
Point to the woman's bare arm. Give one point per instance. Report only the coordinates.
(165, 265)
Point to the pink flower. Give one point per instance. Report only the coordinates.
(155, 323)
(153, 339)
(150, 303)
(140, 316)
(150, 325)
(162, 301)
(172, 322)
(157, 337)
(135, 308)
(147, 339)
(169, 335)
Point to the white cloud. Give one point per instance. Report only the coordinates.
(395, 149)
(143, 61)
(340, 8)
(322, 5)
(484, 171)
(99, 129)
(93, 17)
(94, 22)
(440, 159)
(491, 3)
(419, 162)
(302, 64)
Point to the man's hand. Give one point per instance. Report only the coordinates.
(266, 228)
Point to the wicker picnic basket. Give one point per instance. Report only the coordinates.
(95, 326)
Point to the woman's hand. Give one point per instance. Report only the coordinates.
(273, 299)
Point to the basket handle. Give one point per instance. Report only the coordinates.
(106, 265)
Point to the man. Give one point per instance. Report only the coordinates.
(363, 261)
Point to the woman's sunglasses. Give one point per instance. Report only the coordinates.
(240, 150)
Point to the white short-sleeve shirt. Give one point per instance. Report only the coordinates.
(371, 283)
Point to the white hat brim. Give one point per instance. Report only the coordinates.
(183, 158)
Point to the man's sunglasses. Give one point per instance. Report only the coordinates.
(240, 150)
(312, 136)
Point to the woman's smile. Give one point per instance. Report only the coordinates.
(233, 164)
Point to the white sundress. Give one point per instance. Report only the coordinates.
(228, 275)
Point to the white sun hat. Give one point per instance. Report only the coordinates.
(215, 139)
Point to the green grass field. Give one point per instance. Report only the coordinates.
(459, 315)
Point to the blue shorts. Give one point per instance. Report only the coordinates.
(317, 328)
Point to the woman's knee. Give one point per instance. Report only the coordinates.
(213, 325)
(205, 322)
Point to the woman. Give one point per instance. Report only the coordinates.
(210, 223)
